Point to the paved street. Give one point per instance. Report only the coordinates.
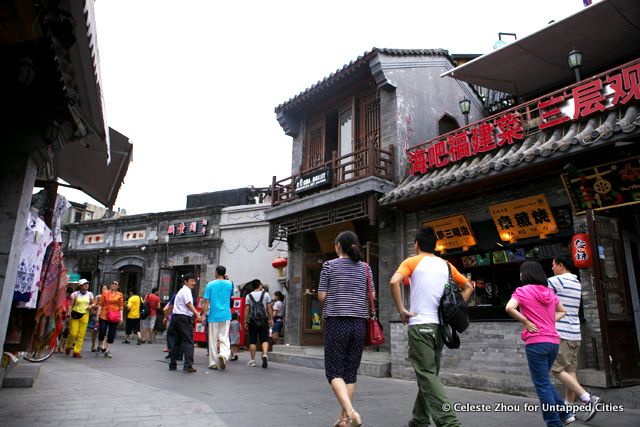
(135, 388)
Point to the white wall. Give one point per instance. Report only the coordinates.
(245, 248)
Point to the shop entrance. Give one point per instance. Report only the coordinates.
(616, 265)
(130, 278)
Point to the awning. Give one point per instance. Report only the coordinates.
(606, 33)
(83, 164)
(563, 142)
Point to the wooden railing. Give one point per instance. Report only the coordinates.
(369, 161)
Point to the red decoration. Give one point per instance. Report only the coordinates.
(553, 116)
(510, 126)
(171, 229)
(581, 254)
(588, 99)
(482, 138)
(279, 263)
(419, 162)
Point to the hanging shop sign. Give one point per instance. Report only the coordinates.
(606, 91)
(452, 232)
(92, 239)
(522, 218)
(581, 251)
(134, 235)
(312, 181)
(188, 229)
(605, 185)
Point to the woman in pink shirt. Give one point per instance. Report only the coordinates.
(539, 308)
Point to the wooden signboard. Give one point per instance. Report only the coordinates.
(453, 232)
(611, 184)
(522, 218)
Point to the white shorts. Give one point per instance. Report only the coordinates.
(149, 322)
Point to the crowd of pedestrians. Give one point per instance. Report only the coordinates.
(547, 308)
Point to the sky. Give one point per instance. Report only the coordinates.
(194, 84)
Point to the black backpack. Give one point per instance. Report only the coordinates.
(453, 313)
(144, 308)
(257, 312)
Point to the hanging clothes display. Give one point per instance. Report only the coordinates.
(37, 237)
(53, 282)
(62, 205)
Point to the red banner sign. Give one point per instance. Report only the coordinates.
(605, 91)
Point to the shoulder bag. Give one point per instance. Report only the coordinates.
(453, 313)
(375, 334)
(113, 316)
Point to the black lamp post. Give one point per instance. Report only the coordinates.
(575, 62)
(465, 107)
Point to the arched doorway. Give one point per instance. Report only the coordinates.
(130, 277)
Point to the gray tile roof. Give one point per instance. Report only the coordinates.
(561, 141)
(355, 67)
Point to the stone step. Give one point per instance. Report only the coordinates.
(21, 375)
(374, 364)
(518, 385)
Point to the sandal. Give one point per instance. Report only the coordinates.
(339, 422)
(354, 419)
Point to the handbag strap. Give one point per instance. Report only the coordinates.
(372, 307)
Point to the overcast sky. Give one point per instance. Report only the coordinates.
(194, 84)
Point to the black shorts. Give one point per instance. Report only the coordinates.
(133, 325)
(258, 332)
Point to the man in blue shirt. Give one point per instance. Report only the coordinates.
(217, 297)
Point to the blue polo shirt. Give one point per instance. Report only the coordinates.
(219, 293)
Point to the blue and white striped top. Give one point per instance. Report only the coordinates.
(345, 283)
(569, 290)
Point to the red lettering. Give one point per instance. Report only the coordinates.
(588, 99)
(510, 126)
(552, 117)
(436, 153)
(482, 138)
(418, 161)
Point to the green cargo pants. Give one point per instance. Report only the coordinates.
(425, 347)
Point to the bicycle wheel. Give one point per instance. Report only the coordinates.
(44, 341)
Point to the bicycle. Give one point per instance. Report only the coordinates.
(45, 338)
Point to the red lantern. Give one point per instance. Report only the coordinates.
(581, 253)
(279, 263)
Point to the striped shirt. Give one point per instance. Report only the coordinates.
(569, 290)
(345, 283)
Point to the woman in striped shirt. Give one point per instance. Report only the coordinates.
(343, 294)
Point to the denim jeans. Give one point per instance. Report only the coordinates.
(540, 357)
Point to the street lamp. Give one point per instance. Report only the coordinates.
(465, 107)
(575, 62)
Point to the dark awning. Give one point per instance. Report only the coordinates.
(83, 164)
(607, 33)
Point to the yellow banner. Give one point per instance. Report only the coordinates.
(528, 217)
(453, 232)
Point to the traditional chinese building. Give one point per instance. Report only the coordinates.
(522, 183)
(349, 131)
(156, 249)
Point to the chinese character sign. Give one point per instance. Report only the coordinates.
(452, 232)
(92, 239)
(528, 217)
(133, 235)
(613, 89)
(188, 228)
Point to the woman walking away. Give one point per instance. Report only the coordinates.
(81, 303)
(110, 316)
(539, 309)
(343, 294)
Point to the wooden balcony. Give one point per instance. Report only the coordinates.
(364, 163)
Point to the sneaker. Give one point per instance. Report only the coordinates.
(77, 355)
(141, 342)
(126, 342)
(172, 367)
(265, 362)
(107, 354)
(190, 370)
(214, 367)
(168, 356)
(251, 363)
(593, 410)
(102, 349)
(568, 419)
(222, 361)
(234, 358)
(93, 350)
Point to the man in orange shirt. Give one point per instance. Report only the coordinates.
(429, 274)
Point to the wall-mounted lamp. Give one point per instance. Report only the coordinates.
(465, 107)
(143, 248)
(575, 62)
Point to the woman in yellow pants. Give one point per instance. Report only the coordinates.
(81, 302)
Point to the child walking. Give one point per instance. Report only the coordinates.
(234, 336)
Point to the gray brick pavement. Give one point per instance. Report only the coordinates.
(135, 388)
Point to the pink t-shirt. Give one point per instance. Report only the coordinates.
(538, 304)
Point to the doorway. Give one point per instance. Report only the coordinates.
(130, 278)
